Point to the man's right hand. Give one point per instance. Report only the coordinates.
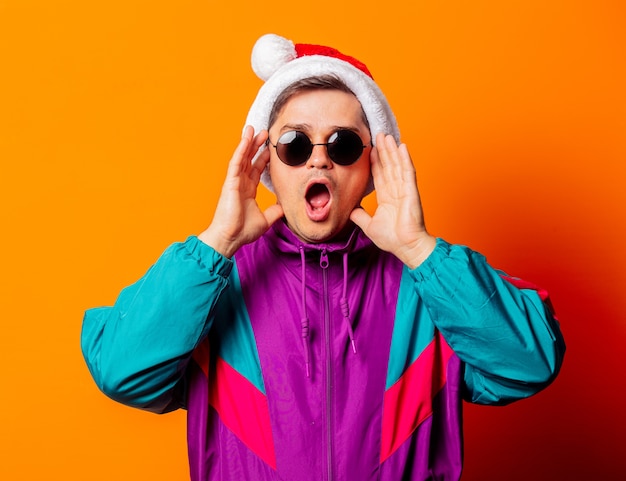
(238, 220)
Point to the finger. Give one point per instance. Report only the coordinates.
(259, 139)
(392, 151)
(259, 164)
(248, 132)
(236, 164)
(380, 167)
(399, 160)
(386, 143)
(381, 154)
(381, 148)
(375, 165)
(247, 147)
(390, 163)
(405, 156)
(255, 152)
(388, 146)
(256, 142)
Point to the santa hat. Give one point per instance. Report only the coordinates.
(280, 63)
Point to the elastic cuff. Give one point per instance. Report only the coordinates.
(208, 257)
(426, 269)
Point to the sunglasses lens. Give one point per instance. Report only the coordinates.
(345, 147)
(294, 148)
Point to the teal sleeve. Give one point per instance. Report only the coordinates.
(137, 350)
(507, 338)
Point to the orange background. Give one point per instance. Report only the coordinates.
(117, 119)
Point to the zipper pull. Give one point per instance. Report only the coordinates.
(324, 259)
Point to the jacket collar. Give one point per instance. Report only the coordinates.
(283, 239)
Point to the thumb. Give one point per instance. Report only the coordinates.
(361, 218)
(273, 213)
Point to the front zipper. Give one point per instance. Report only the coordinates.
(329, 369)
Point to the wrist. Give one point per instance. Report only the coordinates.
(218, 243)
(414, 255)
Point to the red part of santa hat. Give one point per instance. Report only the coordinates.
(304, 49)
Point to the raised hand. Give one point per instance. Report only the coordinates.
(238, 220)
(397, 225)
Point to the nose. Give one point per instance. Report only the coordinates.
(319, 158)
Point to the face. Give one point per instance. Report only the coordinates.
(318, 196)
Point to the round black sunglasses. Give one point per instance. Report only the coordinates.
(294, 148)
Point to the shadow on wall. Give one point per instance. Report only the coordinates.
(561, 232)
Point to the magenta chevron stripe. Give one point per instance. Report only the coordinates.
(240, 405)
(409, 401)
(243, 409)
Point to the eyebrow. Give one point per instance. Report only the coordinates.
(307, 128)
(303, 127)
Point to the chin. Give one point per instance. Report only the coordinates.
(318, 233)
(313, 234)
(316, 237)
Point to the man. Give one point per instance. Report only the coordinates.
(312, 340)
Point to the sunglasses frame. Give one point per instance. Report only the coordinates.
(311, 145)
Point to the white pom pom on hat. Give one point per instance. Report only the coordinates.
(270, 52)
(280, 63)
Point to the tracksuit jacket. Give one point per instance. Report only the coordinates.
(322, 362)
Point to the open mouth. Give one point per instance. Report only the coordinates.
(318, 200)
